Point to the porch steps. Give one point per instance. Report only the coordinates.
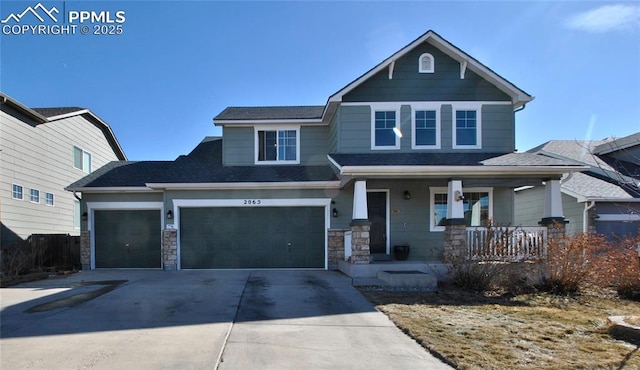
(409, 279)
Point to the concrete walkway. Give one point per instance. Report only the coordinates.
(200, 320)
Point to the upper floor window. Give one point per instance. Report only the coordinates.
(426, 127)
(16, 192)
(49, 198)
(34, 196)
(426, 63)
(467, 131)
(477, 204)
(81, 159)
(277, 146)
(385, 129)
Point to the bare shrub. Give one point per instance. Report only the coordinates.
(16, 259)
(619, 266)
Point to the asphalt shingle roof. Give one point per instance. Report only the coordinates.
(264, 113)
(202, 165)
(56, 111)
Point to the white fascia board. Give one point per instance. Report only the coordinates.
(72, 114)
(614, 200)
(251, 122)
(115, 189)
(247, 185)
(454, 170)
(334, 163)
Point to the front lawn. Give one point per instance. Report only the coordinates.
(528, 331)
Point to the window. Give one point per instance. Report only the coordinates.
(49, 198)
(426, 63)
(425, 124)
(81, 160)
(76, 214)
(277, 146)
(467, 128)
(385, 129)
(477, 205)
(16, 192)
(34, 196)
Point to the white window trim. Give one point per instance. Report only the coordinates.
(425, 106)
(276, 128)
(443, 190)
(22, 192)
(433, 64)
(467, 106)
(377, 107)
(84, 152)
(53, 200)
(30, 196)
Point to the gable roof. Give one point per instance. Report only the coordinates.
(322, 114)
(519, 97)
(202, 168)
(51, 114)
(602, 181)
(618, 144)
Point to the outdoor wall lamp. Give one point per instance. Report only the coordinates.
(169, 214)
(335, 212)
(407, 195)
(458, 196)
(85, 216)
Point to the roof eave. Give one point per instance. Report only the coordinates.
(447, 171)
(246, 185)
(242, 122)
(5, 99)
(110, 189)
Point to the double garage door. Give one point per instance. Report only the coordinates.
(252, 237)
(214, 238)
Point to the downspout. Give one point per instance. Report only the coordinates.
(585, 215)
(75, 195)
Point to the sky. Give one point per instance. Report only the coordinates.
(172, 66)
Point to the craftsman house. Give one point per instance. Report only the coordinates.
(42, 151)
(419, 147)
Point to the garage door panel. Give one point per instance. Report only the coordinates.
(256, 237)
(127, 238)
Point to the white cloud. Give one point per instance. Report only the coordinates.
(607, 18)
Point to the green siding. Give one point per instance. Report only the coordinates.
(313, 145)
(334, 133)
(503, 206)
(238, 146)
(409, 85)
(498, 128)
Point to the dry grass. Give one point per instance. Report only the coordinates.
(531, 331)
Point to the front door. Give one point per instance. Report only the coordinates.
(377, 208)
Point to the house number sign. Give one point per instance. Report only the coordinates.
(252, 202)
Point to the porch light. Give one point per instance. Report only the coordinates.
(407, 195)
(335, 212)
(85, 216)
(169, 214)
(458, 196)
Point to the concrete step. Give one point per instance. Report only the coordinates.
(409, 279)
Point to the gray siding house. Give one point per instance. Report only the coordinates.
(422, 142)
(605, 199)
(42, 151)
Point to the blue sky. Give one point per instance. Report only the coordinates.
(178, 64)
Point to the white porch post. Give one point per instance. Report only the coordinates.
(455, 204)
(360, 200)
(552, 202)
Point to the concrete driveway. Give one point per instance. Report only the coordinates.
(200, 320)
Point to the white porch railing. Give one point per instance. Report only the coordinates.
(506, 244)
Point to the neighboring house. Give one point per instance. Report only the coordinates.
(422, 142)
(604, 199)
(42, 151)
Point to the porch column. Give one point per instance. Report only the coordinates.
(360, 225)
(552, 203)
(455, 230)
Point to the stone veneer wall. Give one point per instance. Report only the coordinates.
(360, 253)
(85, 250)
(335, 248)
(455, 243)
(170, 249)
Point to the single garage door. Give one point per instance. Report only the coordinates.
(127, 238)
(254, 237)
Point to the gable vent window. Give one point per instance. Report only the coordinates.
(277, 146)
(426, 63)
